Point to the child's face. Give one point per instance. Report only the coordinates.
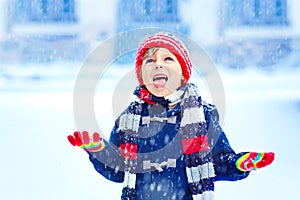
(161, 72)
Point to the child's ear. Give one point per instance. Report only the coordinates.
(182, 80)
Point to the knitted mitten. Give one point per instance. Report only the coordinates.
(84, 141)
(253, 161)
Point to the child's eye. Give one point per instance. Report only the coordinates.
(149, 60)
(168, 59)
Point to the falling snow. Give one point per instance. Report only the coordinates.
(37, 77)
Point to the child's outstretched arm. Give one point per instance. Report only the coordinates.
(104, 156)
(229, 165)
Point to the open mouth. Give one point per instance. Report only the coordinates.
(160, 80)
(159, 77)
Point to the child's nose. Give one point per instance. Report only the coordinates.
(158, 67)
(159, 62)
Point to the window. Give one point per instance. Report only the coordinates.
(45, 11)
(147, 7)
(155, 10)
(171, 8)
(257, 12)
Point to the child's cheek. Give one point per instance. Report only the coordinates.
(145, 74)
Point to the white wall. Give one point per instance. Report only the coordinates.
(294, 16)
(203, 19)
(96, 16)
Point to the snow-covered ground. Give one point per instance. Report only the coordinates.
(36, 112)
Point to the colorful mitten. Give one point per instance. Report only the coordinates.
(85, 142)
(252, 161)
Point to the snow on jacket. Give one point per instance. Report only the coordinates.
(159, 180)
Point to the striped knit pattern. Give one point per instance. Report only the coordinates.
(170, 42)
(197, 156)
(128, 124)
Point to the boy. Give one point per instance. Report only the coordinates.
(168, 143)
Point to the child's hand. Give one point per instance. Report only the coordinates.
(252, 161)
(84, 141)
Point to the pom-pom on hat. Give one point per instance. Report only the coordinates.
(170, 42)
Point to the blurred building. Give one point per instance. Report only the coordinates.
(150, 13)
(48, 30)
(233, 31)
(258, 32)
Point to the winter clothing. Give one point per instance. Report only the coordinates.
(171, 157)
(84, 141)
(254, 161)
(193, 133)
(170, 42)
(168, 147)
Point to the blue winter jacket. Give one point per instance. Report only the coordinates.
(171, 183)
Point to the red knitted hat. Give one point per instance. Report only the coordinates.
(168, 41)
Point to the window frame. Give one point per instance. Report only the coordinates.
(41, 11)
(257, 13)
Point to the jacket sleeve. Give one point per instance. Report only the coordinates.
(224, 157)
(109, 161)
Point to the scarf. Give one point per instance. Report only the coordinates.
(193, 132)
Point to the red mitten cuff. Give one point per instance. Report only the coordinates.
(253, 161)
